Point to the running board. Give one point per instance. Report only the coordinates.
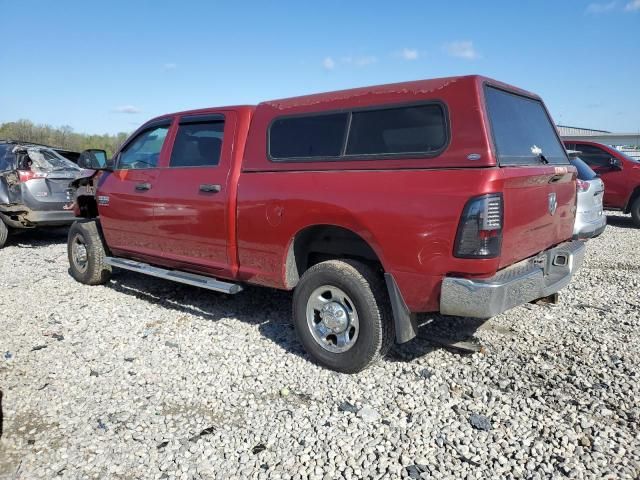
(175, 275)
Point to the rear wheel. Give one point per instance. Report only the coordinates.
(635, 212)
(87, 253)
(342, 316)
(4, 233)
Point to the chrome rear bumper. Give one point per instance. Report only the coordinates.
(525, 281)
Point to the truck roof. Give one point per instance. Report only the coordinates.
(417, 87)
(206, 110)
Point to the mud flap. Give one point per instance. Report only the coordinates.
(404, 321)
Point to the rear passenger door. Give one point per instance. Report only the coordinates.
(190, 214)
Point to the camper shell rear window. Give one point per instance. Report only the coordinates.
(523, 133)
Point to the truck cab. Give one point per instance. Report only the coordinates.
(171, 196)
(450, 195)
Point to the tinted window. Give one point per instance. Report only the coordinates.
(584, 172)
(307, 137)
(522, 130)
(593, 156)
(198, 144)
(419, 129)
(144, 150)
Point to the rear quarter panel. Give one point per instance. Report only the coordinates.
(409, 217)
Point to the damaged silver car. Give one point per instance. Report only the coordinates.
(34, 184)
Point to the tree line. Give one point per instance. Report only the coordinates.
(61, 137)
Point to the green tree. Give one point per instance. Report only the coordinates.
(61, 137)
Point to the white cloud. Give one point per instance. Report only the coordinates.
(595, 8)
(364, 61)
(632, 6)
(409, 54)
(329, 63)
(127, 109)
(462, 49)
(170, 66)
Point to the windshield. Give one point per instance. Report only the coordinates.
(584, 171)
(522, 131)
(48, 161)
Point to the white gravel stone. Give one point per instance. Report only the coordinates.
(368, 414)
(191, 383)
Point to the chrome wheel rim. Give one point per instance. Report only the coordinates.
(79, 253)
(332, 319)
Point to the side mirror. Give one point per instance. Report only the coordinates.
(615, 163)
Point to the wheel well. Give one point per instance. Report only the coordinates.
(323, 242)
(88, 206)
(634, 195)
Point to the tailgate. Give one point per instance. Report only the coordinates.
(539, 182)
(539, 210)
(57, 188)
(49, 193)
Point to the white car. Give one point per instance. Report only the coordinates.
(590, 218)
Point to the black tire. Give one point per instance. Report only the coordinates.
(4, 233)
(366, 289)
(94, 270)
(635, 212)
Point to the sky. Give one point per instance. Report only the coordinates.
(107, 67)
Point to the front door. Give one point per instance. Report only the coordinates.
(126, 196)
(615, 184)
(192, 189)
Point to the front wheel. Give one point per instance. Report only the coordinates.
(342, 315)
(635, 212)
(87, 254)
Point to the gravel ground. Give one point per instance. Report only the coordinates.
(142, 378)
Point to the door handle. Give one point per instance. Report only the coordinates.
(210, 188)
(143, 186)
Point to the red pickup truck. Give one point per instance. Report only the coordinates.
(452, 195)
(619, 172)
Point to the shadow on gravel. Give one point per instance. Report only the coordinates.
(37, 237)
(268, 308)
(456, 334)
(620, 221)
(271, 310)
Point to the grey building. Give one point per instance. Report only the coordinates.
(567, 131)
(601, 136)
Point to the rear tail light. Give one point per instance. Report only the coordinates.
(582, 185)
(26, 175)
(480, 229)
